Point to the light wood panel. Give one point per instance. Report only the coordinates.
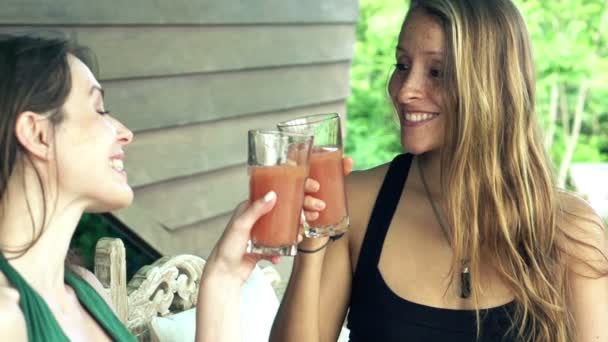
(197, 238)
(176, 12)
(173, 101)
(200, 237)
(191, 199)
(165, 154)
(135, 51)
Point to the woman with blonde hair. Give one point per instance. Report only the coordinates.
(466, 236)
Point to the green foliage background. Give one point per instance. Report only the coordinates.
(569, 39)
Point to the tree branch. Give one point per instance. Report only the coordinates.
(563, 109)
(573, 139)
(552, 116)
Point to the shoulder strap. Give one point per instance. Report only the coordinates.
(382, 214)
(98, 308)
(39, 320)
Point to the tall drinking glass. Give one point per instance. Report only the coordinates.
(277, 161)
(325, 167)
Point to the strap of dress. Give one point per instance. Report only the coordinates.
(41, 323)
(382, 214)
(39, 320)
(99, 309)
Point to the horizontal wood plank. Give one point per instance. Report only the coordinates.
(191, 199)
(174, 101)
(198, 238)
(132, 51)
(165, 154)
(176, 12)
(146, 227)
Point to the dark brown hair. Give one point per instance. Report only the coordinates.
(35, 77)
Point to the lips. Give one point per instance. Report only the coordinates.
(420, 116)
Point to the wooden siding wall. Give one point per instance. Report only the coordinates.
(190, 77)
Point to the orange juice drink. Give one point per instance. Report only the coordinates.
(326, 168)
(279, 227)
(278, 161)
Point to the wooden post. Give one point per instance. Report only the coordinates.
(111, 270)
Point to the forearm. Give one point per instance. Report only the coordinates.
(298, 315)
(218, 310)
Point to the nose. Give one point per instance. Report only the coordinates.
(124, 135)
(411, 88)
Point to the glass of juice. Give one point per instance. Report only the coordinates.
(277, 161)
(326, 168)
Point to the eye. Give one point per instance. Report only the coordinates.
(402, 67)
(436, 73)
(103, 112)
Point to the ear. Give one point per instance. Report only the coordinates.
(34, 133)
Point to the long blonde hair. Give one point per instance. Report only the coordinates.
(495, 171)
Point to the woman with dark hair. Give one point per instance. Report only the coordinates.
(465, 237)
(61, 154)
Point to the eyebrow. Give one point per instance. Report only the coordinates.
(96, 87)
(426, 52)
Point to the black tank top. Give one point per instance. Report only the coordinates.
(378, 314)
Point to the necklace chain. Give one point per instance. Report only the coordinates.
(465, 276)
(446, 234)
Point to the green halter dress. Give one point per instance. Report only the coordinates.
(40, 322)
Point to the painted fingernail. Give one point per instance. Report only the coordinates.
(319, 205)
(270, 196)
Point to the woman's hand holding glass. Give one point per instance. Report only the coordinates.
(229, 258)
(312, 205)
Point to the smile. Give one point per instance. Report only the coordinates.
(419, 117)
(117, 164)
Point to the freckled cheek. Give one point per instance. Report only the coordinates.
(437, 98)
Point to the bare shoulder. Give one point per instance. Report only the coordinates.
(577, 219)
(583, 235)
(364, 181)
(12, 324)
(363, 186)
(90, 278)
(361, 190)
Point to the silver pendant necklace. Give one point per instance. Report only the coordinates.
(465, 274)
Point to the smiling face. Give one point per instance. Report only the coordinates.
(416, 85)
(90, 147)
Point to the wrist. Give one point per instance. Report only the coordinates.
(217, 276)
(314, 243)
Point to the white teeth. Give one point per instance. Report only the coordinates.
(417, 117)
(117, 164)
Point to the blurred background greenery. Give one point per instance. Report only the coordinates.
(570, 42)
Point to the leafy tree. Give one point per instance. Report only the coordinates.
(372, 127)
(570, 42)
